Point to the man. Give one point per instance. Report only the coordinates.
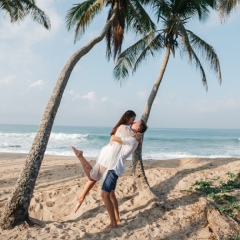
(129, 145)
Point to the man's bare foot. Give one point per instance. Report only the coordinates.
(79, 203)
(109, 227)
(77, 152)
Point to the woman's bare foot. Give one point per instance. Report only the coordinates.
(77, 152)
(79, 203)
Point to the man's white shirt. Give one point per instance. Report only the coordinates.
(129, 145)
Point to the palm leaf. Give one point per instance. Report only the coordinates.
(198, 64)
(208, 53)
(161, 8)
(225, 7)
(185, 40)
(138, 19)
(18, 10)
(199, 8)
(37, 14)
(81, 15)
(132, 56)
(154, 46)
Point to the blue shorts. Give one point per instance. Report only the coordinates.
(110, 181)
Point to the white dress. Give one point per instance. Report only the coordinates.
(107, 157)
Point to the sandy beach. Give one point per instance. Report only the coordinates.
(61, 179)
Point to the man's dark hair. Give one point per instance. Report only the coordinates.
(143, 127)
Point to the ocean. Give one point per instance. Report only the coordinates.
(159, 143)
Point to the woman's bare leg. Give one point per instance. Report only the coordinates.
(85, 164)
(88, 186)
(90, 183)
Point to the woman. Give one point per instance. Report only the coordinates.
(107, 156)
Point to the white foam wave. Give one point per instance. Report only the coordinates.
(17, 135)
(65, 136)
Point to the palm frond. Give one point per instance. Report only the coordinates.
(138, 19)
(207, 52)
(109, 36)
(198, 65)
(115, 34)
(161, 9)
(193, 8)
(185, 40)
(132, 56)
(11, 8)
(154, 46)
(202, 8)
(37, 15)
(81, 15)
(225, 7)
(18, 10)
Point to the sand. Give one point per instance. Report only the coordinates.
(61, 179)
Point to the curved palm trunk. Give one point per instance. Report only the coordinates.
(16, 209)
(140, 177)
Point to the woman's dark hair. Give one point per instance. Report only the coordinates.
(123, 120)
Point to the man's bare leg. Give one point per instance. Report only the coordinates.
(85, 164)
(88, 186)
(110, 209)
(115, 206)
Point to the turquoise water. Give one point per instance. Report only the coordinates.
(158, 143)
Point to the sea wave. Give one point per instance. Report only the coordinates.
(17, 135)
(158, 144)
(66, 136)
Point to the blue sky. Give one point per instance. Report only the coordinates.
(32, 58)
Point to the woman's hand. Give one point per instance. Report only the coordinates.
(111, 140)
(115, 139)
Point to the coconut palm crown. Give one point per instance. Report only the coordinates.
(19, 9)
(130, 15)
(173, 35)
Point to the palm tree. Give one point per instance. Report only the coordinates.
(122, 12)
(225, 7)
(19, 9)
(173, 35)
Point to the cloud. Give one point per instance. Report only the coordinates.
(8, 80)
(89, 96)
(104, 99)
(37, 84)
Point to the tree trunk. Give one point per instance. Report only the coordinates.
(222, 226)
(16, 209)
(140, 177)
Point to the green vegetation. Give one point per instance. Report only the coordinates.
(224, 194)
(237, 238)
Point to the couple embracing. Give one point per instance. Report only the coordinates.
(125, 137)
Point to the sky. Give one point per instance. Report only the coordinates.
(32, 58)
